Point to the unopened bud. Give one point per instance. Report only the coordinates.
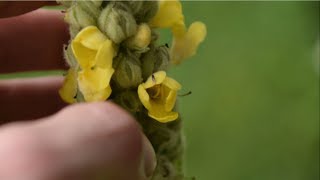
(91, 7)
(129, 100)
(147, 10)
(156, 59)
(141, 39)
(127, 70)
(79, 18)
(117, 23)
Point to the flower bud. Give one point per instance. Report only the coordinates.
(117, 22)
(91, 7)
(79, 18)
(141, 39)
(127, 70)
(147, 11)
(129, 100)
(156, 59)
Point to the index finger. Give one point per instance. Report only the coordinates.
(14, 8)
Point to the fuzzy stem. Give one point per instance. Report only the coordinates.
(167, 141)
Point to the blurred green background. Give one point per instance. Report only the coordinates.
(254, 109)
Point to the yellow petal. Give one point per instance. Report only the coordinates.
(94, 83)
(141, 39)
(171, 84)
(144, 97)
(84, 56)
(186, 46)
(99, 95)
(170, 101)
(163, 117)
(158, 112)
(69, 89)
(86, 44)
(90, 37)
(105, 55)
(169, 13)
(156, 78)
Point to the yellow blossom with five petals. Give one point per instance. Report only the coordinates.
(158, 95)
(185, 41)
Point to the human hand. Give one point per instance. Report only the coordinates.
(83, 141)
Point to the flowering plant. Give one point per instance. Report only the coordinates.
(113, 55)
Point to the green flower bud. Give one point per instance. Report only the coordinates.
(129, 100)
(117, 22)
(91, 7)
(135, 5)
(127, 70)
(79, 18)
(74, 30)
(156, 59)
(146, 11)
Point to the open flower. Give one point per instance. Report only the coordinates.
(92, 48)
(94, 53)
(185, 41)
(94, 84)
(158, 95)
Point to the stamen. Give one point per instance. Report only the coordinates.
(185, 94)
(153, 78)
(155, 91)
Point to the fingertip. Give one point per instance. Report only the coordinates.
(38, 36)
(108, 138)
(15, 8)
(84, 140)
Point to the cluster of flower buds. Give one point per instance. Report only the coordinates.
(113, 51)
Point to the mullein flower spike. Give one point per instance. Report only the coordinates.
(113, 54)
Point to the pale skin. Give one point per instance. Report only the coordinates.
(41, 138)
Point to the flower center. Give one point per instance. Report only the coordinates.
(155, 91)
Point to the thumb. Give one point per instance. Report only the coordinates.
(83, 141)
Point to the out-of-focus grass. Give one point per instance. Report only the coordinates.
(254, 111)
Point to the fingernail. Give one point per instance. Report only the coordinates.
(150, 161)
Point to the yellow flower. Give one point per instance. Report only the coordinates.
(158, 95)
(186, 44)
(69, 89)
(94, 84)
(92, 48)
(185, 41)
(94, 53)
(169, 14)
